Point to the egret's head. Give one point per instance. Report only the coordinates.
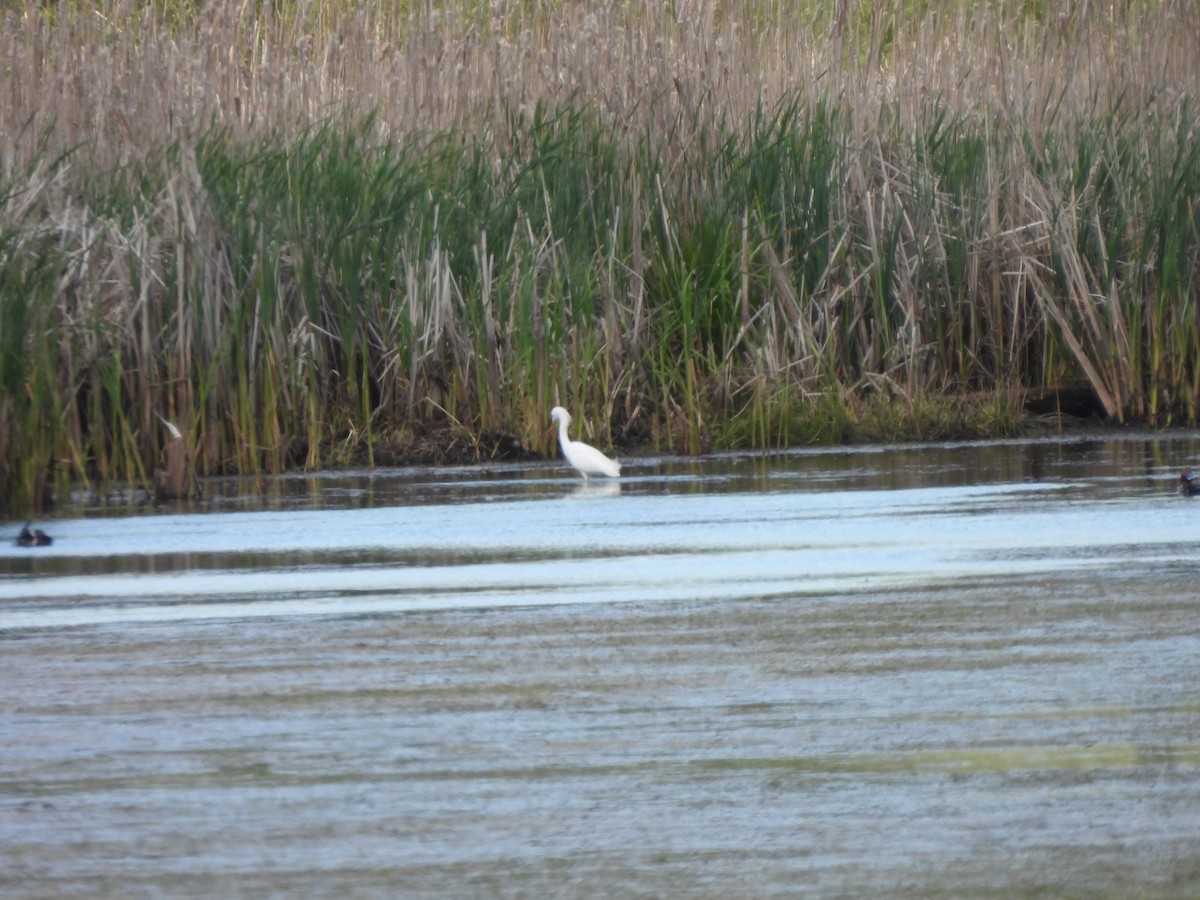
(558, 414)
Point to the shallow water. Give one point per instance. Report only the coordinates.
(955, 669)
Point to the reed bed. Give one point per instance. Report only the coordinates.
(320, 233)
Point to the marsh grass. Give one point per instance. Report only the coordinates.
(339, 233)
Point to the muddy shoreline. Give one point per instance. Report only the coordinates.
(1066, 410)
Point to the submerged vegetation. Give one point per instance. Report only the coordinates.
(332, 232)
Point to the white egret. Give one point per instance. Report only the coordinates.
(584, 457)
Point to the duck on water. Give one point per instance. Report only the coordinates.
(1188, 485)
(34, 537)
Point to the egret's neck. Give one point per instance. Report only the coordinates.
(562, 433)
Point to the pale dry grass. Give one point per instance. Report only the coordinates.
(120, 77)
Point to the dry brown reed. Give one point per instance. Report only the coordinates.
(121, 76)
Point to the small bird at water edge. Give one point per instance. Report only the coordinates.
(33, 538)
(584, 457)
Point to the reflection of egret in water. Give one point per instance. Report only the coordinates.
(592, 490)
(584, 457)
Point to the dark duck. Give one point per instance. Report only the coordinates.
(1188, 485)
(33, 537)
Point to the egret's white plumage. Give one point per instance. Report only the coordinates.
(584, 457)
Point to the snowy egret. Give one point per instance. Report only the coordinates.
(584, 457)
(1187, 484)
(33, 538)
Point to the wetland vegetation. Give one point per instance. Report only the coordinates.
(330, 232)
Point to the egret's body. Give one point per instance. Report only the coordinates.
(584, 457)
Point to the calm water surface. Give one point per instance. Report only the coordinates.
(956, 670)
